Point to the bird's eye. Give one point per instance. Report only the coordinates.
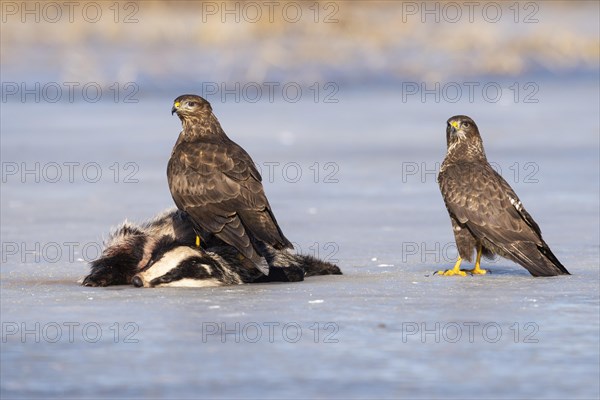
(192, 103)
(466, 124)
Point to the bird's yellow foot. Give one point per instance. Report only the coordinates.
(476, 271)
(454, 271)
(451, 272)
(197, 241)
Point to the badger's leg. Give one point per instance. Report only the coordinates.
(120, 260)
(117, 265)
(283, 265)
(313, 266)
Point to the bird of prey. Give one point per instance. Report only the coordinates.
(485, 212)
(217, 184)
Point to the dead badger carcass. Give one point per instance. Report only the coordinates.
(162, 252)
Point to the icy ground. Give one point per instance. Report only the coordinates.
(386, 329)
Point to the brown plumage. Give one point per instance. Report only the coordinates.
(485, 212)
(217, 184)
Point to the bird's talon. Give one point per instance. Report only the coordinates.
(476, 271)
(451, 272)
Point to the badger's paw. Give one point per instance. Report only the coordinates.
(95, 280)
(106, 276)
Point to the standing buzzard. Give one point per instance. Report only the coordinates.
(486, 213)
(217, 184)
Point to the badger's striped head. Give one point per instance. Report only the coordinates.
(185, 266)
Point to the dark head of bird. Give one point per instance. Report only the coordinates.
(462, 136)
(192, 110)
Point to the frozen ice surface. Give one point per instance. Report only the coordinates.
(385, 329)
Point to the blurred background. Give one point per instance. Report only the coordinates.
(166, 45)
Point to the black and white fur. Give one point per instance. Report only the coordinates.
(162, 252)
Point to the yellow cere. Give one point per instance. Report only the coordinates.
(177, 104)
(454, 124)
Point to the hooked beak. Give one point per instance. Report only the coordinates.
(454, 127)
(175, 107)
